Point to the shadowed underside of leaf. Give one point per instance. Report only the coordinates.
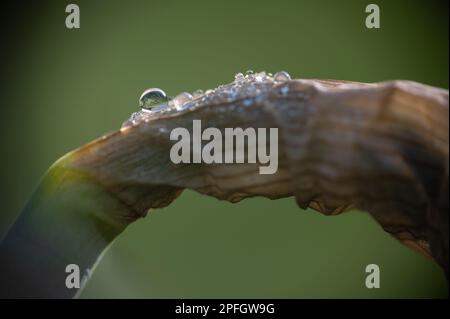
(382, 148)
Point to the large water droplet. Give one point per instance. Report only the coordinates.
(151, 98)
(281, 76)
(180, 99)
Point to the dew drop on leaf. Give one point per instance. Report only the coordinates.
(151, 98)
(197, 93)
(281, 76)
(239, 78)
(181, 99)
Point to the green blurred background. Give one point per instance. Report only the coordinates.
(62, 88)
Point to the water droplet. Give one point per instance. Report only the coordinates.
(260, 76)
(151, 98)
(239, 77)
(180, 99)
(197, 93)
(281, 76)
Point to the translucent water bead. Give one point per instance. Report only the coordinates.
(281, 76)
(197, 93)
(151, 98)
(180, 99)
(239, 78)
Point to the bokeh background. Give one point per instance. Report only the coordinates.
(61, 88)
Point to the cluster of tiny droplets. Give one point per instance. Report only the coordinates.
(244, 87)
